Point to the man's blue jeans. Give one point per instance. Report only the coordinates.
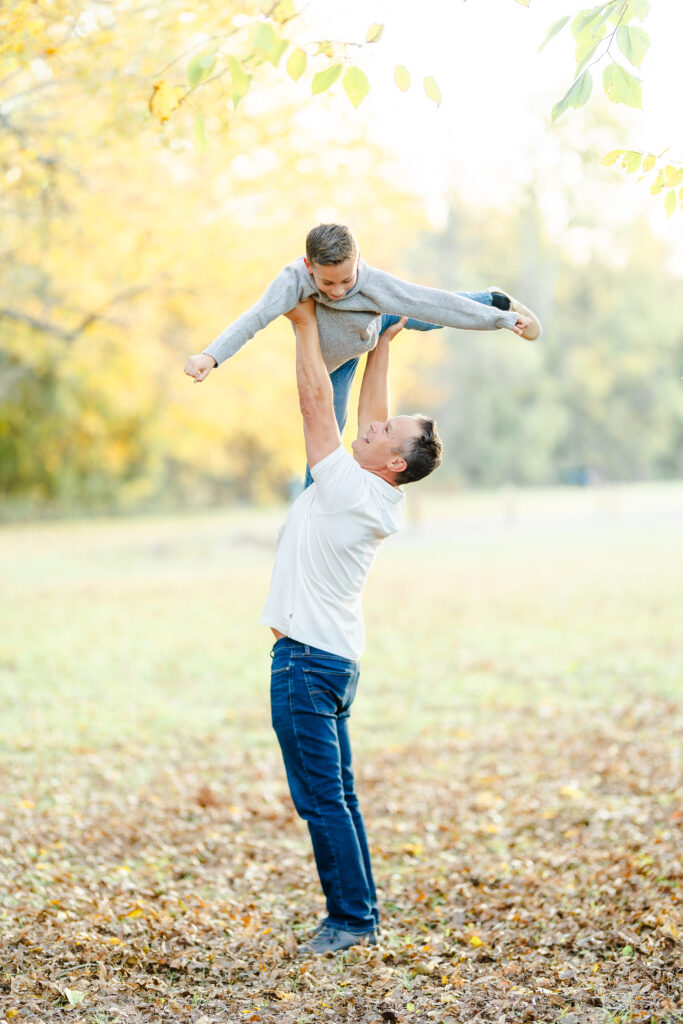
(342, 377)
(311, 695)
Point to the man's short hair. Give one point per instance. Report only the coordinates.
(330, 244)
(422, 452)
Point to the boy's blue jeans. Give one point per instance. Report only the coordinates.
(311, 694)
(342, 377)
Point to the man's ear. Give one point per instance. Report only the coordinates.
(397, 464)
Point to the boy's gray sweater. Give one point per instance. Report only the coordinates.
(349, 327)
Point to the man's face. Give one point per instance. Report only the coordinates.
(334, 281)
(378, 447)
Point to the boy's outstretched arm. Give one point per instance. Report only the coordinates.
(281, 295)
(436, 306)
(321, 433)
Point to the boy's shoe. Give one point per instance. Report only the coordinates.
(534, 330)
(329, 939)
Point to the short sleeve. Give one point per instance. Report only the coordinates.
(340, 481)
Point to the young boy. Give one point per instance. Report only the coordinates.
(354, 304)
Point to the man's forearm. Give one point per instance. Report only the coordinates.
(312, 379)
(373, 402)
(321, 433)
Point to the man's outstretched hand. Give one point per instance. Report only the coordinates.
(392, 331)
(200, 367)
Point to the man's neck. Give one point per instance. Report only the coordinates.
(383, 474)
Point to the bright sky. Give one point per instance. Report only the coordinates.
(497, 92)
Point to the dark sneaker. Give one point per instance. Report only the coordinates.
(534, 330)
(328, 939)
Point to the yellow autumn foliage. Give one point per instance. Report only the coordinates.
(165, 99)
(130, 246)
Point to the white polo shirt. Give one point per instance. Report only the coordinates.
(324, 554)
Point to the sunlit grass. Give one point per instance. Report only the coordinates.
(140, 634)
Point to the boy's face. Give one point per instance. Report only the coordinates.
(334, 281)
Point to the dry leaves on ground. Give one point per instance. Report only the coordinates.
(529, 872)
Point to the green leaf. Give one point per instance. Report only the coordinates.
(296, 65)
(584, 57)
(633, 42)
(588, 29)
(612, 157)
(577, 94)
(659, 183)
(556, 27)
(620, 14)
(199, 68)
(374, 33)
(263, 38)
(356, 85)
(588, 20)
(74, 997)
(240, 81)
(674, 175)
(588, 42)
(649, 162)
(524, 3)
(402, 77)
(200, 132)
(432, 90)
(670, 202)
(622, 87)
(324, 79)
(639, 8)
(277, 51)
(632, 161)
(326, 48)
(267, 44)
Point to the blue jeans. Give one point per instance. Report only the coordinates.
(311, 694)
(342, 377)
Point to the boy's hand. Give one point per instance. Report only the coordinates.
(304, 312)
(200, 367)
(522, 323)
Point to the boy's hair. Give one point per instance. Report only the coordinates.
(330, 244)
(423, 453)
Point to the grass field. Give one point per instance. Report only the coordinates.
(517, 735)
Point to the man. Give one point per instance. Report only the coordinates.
(314, 609)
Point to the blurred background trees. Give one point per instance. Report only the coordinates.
(129, 241)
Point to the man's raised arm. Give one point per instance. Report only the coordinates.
(321, 432)
(373, 401)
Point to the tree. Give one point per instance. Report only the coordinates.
(126, 244)
(608, 35)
